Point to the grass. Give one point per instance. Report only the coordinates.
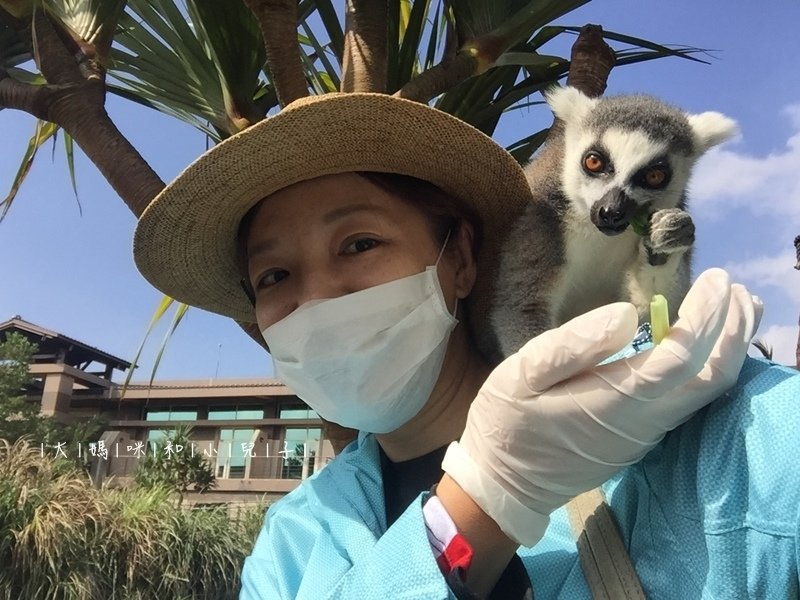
(61, 538)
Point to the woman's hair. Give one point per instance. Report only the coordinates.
(444, 213)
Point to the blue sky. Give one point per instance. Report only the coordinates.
(75, 274)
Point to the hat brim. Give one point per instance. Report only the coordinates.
(185, 243)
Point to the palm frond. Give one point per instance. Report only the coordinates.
(92, 21)
(234, 46)
(158, 57)
(764, 348)
(43, 132)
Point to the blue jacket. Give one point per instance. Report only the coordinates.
(712, 512)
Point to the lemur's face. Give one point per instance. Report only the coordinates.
(628, 155)
(613, 174)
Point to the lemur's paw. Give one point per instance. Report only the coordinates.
(671, 232)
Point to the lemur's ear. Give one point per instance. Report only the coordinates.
(569, 104)
(710, 129)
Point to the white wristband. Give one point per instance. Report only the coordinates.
(440, 527)
(523, 525)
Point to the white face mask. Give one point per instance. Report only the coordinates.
(370, 359)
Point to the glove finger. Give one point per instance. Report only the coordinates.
(683, 353)
(577, 345)
(647, 421)
(722, 369)
(730, 349)
(759, 312)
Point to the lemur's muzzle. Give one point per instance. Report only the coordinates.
(613, 212)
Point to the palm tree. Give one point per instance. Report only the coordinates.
(203, 61)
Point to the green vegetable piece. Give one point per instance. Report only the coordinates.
(659, 318)
(640, 223)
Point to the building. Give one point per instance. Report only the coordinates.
(259, 437)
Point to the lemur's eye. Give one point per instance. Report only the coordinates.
(654, 177)
(594, 162)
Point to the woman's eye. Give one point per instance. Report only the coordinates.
(360, 245)
(271, 278)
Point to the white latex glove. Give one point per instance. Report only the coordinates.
(549, 424)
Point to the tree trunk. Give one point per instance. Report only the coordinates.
(591, 62)
(79, 108)
(365, 40)
(74, 99)
(119, 162)
(278, 22)
(440, 77)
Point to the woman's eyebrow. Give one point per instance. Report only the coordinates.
(343, 211)
(331, 216)
(261, 247)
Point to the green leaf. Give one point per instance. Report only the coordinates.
(330, 21)
(44, 131)
(331, 75)
(523, 149)
(176, 319)
(160, 311)
(170, 64)
(233, 38)
(70, 153)
(658, 50)
(407, 58)
(26, 76)
(544, 35)
(94, 21)
(438, 26)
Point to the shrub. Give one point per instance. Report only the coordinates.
(61, 538)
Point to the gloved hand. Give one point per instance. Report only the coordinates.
(549, 424)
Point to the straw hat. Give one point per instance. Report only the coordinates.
(185, 242)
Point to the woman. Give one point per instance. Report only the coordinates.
(366, 287)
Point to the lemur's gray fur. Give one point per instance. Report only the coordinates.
(574, 247)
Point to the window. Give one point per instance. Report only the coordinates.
(232, 459)
(231, 413)
(154, 437)
(300, 445)
(297, 411)
(175, 413)
(157, 415)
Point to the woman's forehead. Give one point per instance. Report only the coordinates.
(324, 201)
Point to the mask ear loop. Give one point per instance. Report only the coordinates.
(441, 252)
(436, 264)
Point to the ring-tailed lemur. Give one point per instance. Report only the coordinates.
(608, 222)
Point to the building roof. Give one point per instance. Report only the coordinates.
(57, 347)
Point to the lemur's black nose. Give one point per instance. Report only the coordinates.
(612, 218)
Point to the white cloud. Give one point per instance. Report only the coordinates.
(783, 341)
(727, 179)
(776, 271)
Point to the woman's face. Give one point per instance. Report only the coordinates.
(338, 234)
